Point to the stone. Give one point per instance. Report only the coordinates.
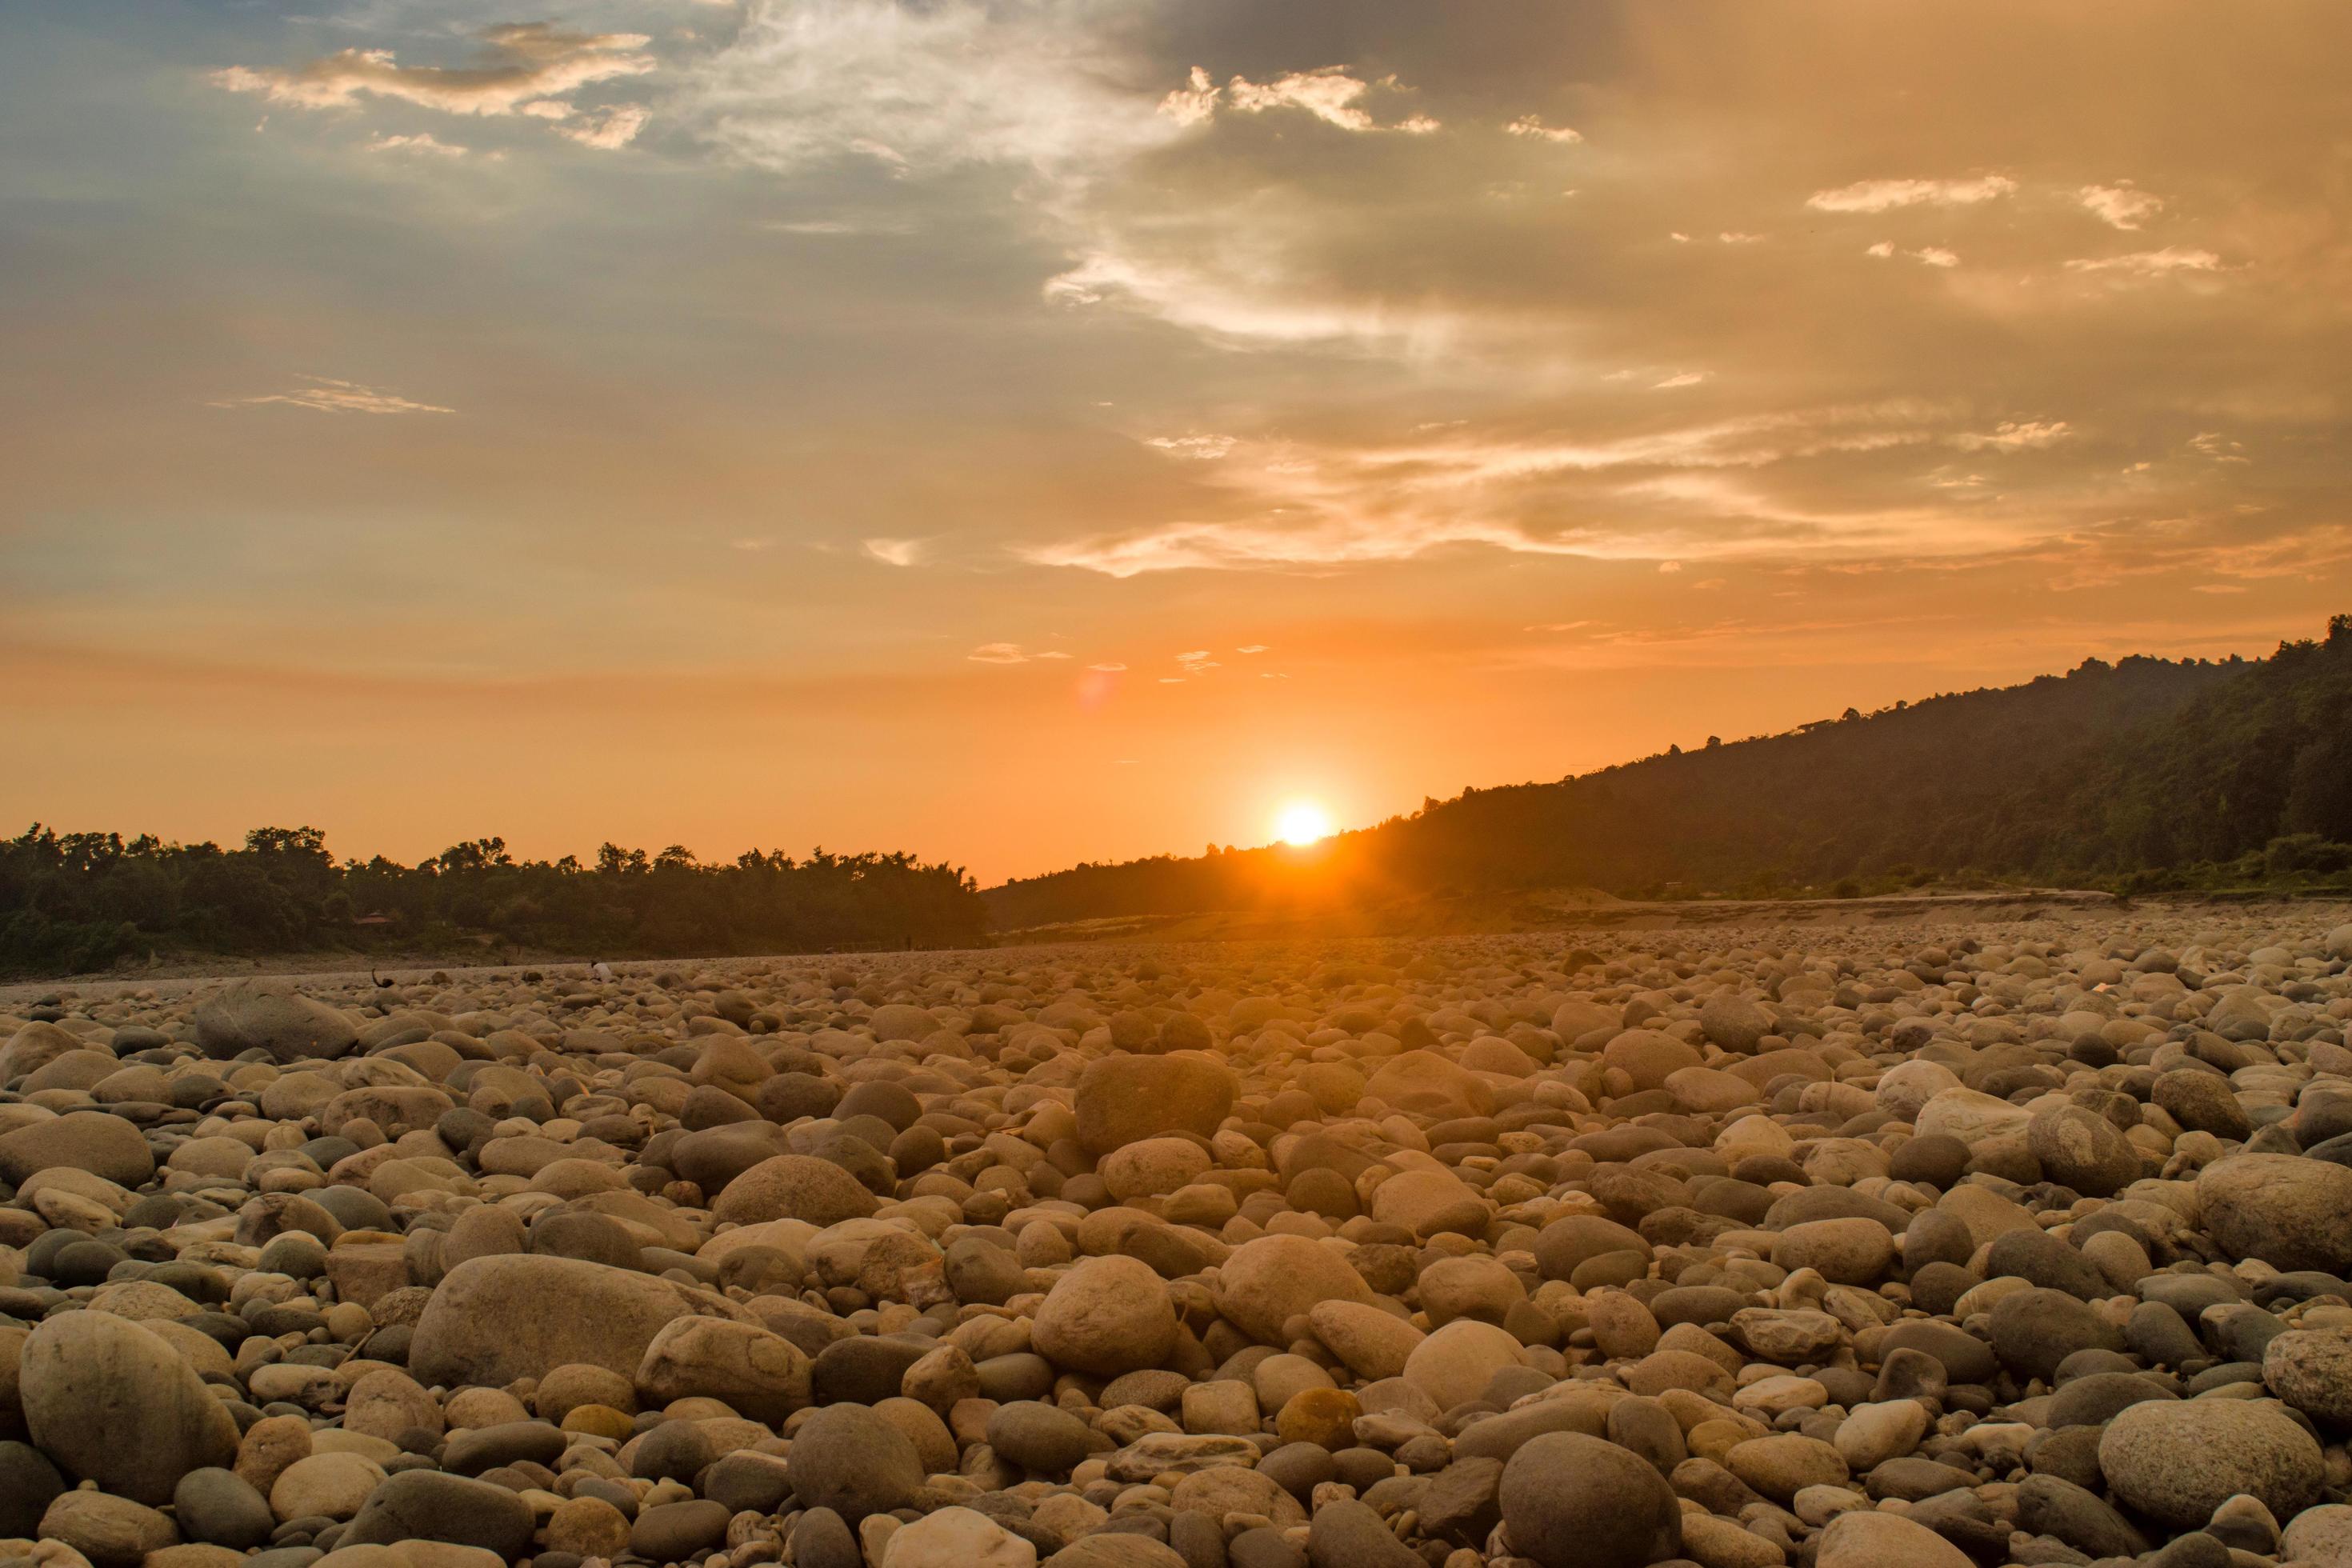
(850, 1460)
(2080, 1149)
(271, 1015)
(106, 1146)
(2289, 1212)
(957, 1538)
(1573, 1501)
(1371, 1344)
(87, 1378)
(1454, 1365)
(110, 1531)
(2320, 1536)
(1107, 1316)
(494, 1320)
(425, 1505)
(2311, 1369)
(1851, 1251)
(217, 1507)
(1870, 1539)
(1125, 1099)
(325, 1486)
(793, 1187)
(761, 1375)
(1271, 1279)
(2177, 1461)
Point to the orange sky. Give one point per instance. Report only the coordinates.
(1053, 431)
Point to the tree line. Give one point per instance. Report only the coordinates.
(2140, 776)
(75, 902)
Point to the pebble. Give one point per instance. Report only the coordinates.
(1926, 1243)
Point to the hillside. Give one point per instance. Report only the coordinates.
(2144, 774)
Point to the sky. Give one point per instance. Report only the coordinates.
(1028, 433)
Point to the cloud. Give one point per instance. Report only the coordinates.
(894, 551)
(1734, 237)
(608, 128)
(1684, 378)
(1107, 668)
(1884, 196)
(1199, 448)
(1928, 255)
(1670, 567)
(2016, 436)
(998, 653)
(423, 144)
(2119, 206)
(523, 61)
(1531, 125)
(330, 396)
(2220, 449)
(1252, 648)
(2152, 263)
(1327, 93)
(925, 87)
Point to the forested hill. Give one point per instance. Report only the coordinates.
(2141, 775)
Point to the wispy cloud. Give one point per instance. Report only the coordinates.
(1927, 255)
(608, 129)
(524, 61)
(894, 551)
(2015, 436)
(1884, 196)
(2220, 448)
(999, 653)
(1330, 94)
(326, 395)
(1199, 448)
(1533, 126)
(422, 144)
(2150, 263)
(2120, 205)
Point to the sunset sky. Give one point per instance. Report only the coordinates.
(1027, 433)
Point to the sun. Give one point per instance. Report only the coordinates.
(1302, 822)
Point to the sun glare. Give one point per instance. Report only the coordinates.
(1302, 822)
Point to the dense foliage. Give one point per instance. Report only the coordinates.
(78, 901)
(2142, 775)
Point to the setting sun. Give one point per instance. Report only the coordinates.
(1302, 822)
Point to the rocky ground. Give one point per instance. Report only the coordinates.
(1984, 1241)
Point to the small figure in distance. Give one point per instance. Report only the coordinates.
(380, 985)
(600, 970)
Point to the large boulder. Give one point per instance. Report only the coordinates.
(1123, 1099)
(92, 1140)
(111, 1403)
(2289, 1212)
(2178, 1460)
(494, 1320)
(271, 1015)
